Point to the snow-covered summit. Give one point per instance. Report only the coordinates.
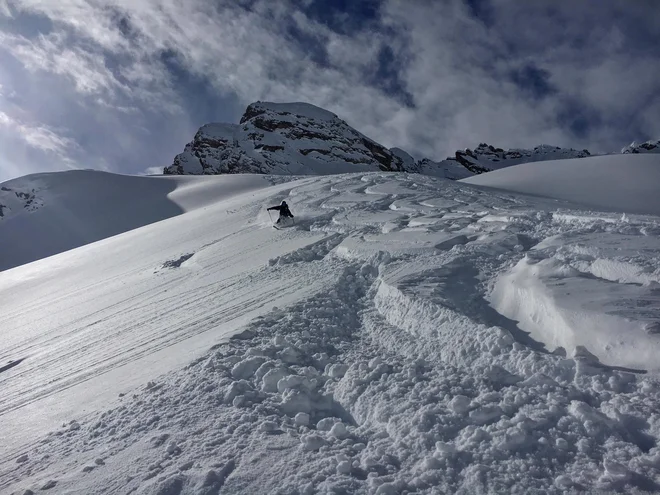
(284, 139)
(298, 109)
(647, 147)
(486, 157)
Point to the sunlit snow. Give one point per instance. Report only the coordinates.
(406, 335)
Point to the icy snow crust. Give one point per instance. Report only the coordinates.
(356, 351)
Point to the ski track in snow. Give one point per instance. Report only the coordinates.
(384, 357)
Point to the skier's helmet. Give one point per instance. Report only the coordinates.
(283, 203)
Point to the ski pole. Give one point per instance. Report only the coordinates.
(271, 216)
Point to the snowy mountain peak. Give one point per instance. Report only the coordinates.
(297, 109)
(285, 139)
(302, 139)
(647, 147)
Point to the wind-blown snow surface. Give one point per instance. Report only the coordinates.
(364, 357)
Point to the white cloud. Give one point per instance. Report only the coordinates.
(39, 136)
(52, 53)
(152, 171)
(4, 8)
(121, 57)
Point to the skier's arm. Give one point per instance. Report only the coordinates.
(278, 208)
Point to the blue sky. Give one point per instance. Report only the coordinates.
(122, 85)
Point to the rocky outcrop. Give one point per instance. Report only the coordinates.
(13, 200)
(647, 147)
(485, 157)
(283, 138)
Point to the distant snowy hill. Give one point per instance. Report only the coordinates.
(46, 214)
(283, 138)
(647, 147)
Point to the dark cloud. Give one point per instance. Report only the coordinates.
(533, 80)
(342, 16)
(483, 10)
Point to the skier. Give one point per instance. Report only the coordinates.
(283, 208)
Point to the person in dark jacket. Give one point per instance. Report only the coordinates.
(283, 208)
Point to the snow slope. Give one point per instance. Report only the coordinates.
(359, 351)
(623, 183)
(46, 214)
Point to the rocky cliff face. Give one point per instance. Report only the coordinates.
(647, 147)
(283, 138)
